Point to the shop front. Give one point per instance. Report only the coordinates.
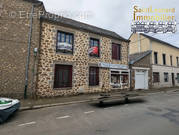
(119, 75)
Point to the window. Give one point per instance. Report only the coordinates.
(63, 76)
(115, 77)
(94, 47)
(171, 61)
(156, 77)
(93, 76)
(178, 77)
(155, 58)
(125, 78)
(164, 59)
(165, 77)
(177, 61)
(119, 78)
(64, 42)
(116, 51)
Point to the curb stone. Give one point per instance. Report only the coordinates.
(75, 102)
(52, 105)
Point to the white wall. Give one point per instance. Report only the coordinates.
(169, 70)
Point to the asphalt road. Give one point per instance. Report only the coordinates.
(154, 115)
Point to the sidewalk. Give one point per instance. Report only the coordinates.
(58, 101)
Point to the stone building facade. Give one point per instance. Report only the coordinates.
(14, 32)
(79, 60)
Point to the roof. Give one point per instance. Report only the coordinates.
(82, 26)
(78, 25)
(138, 56)
(158, 40)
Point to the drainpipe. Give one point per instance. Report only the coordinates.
(28, 53)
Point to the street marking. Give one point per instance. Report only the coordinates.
(29, 123)
(63, 117)
(89, 112)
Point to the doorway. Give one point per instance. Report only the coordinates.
(141, 79)
(173, 79)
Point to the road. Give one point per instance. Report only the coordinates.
(156, 114)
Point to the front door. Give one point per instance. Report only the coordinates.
(173, 79)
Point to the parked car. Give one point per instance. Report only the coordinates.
(8, 107)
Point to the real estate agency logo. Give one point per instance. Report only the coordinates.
(153, 20)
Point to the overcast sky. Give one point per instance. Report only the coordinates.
(115, 15)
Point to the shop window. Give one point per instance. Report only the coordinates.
(116, 51)
(64, 42)
(125, 79)
(156, 77)
(115, 77)
(119, 78)
(155, 58)
(93, 76)
(165, 77)
(63, 76)
(94, 49)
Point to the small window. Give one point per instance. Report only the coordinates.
(156, 77)
(93, 76)
(155, 58)
(164, 59)
(64, 42)
(165, 77)
(171, 61)
(116, 51)
(63, 76)
(94, 47)
(177, 61)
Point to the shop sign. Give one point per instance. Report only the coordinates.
(114, 66)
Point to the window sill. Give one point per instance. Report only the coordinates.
(61, 53)
(64, 88)
(94, 57)
(117, 59)
(93, 85)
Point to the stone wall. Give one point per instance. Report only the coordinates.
(80, 61)
(14, 29)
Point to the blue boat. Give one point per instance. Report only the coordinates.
(8, 107)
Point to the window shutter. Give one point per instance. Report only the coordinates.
(113, 51)
(119, 52)
(97, 76)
